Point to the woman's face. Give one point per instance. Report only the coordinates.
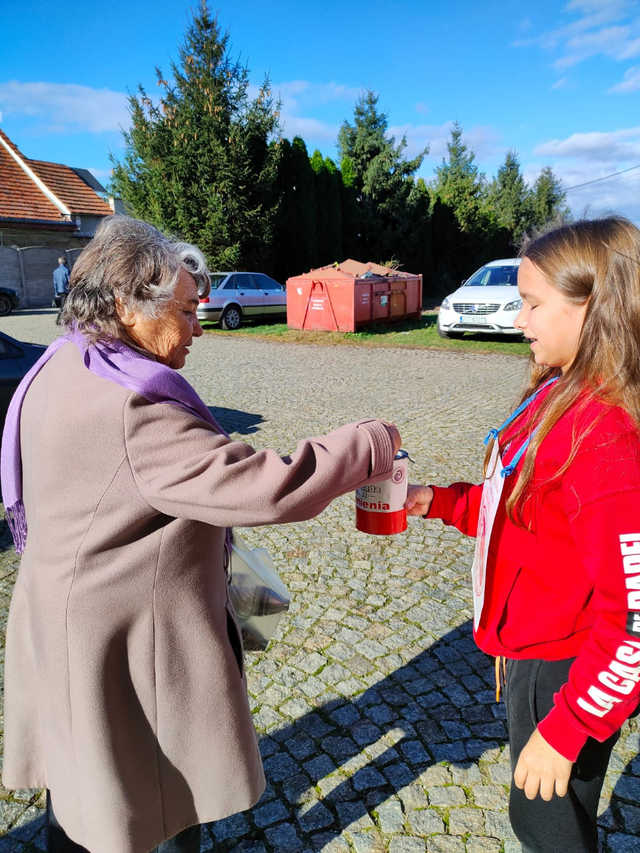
(169, 336)
(550, 322)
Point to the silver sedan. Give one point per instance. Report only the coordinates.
(242, 295)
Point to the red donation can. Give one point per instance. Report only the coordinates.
(380, 506)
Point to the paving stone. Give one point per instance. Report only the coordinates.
(451, 795)
(425, 821)
(489, 796)
(464, 820)
(621, 842)
(445, 844)
(483, 845)
(313, 816)
(500, 773)
(366, 842)
(284, 837)
(407, 844)
(230, 827)
(367, 778)
(270, 813)
(329, 844)
(9, 813)
(390, 817)
(353, 815)
(497, 824)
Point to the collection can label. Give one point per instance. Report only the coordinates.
(380, 506)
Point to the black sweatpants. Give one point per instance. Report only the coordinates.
(566, 823)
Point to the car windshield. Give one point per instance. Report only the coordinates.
(217, 279)
(493, 275)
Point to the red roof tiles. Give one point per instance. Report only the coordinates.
(22, 198)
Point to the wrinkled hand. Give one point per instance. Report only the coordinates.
(542, 769)
(418, 499)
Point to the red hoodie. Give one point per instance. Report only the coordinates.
(569, 583)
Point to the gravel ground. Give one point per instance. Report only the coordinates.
(376, 713)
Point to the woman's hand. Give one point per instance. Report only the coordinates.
(418, 500)
(542, 769)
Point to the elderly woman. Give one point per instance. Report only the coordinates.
(125, 692)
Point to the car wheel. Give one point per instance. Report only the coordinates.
(231, 318)
(6, 305)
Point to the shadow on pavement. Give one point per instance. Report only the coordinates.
(440, 706)
(340, 763)
(235, 420)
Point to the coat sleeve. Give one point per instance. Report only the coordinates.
(457, 505)
(185, 469)
(602, 502)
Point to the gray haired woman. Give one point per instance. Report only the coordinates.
(125, 691)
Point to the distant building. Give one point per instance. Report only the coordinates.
(46, 210)
(46, 204)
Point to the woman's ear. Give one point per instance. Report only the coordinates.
(125, 315)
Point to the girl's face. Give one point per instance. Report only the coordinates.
(548, 319)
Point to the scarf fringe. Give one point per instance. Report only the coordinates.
(17, 521)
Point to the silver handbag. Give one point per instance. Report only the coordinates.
(258, 596)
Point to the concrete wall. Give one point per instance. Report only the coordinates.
(29, 272)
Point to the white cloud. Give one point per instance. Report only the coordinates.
(300, 99)
(601, 27)
(560, 84)
(302, 94)
(613, 147)
(593, 159)
(66, 106)
(311, 130)
(630, 81)
(482, 140)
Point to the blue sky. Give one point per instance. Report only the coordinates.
(558, 82)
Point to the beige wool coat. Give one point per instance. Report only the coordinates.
(123, 693)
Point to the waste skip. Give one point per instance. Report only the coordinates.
(343, 297)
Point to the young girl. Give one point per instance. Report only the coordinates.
(556, 573)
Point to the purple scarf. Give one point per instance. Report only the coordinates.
(112, 360)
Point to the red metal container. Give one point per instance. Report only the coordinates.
(380, 506)
(345, 297)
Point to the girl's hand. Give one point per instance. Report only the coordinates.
(542, 769)
(418, 500)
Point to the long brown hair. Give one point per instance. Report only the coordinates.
(595, 262)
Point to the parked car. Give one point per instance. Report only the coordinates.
(487, 302)
(16, 359)
(236, 296)
(8, 300)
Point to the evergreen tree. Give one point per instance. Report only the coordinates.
(548, 200)
(329, 209)
(459, 185)
(295, 242)
(510, 198)
(378, 179)
(198, 162)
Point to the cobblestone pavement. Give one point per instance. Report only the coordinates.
(376, 713)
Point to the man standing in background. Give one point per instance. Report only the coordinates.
(60, 283)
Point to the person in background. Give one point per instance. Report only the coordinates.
(556, 573)
(125, 690)
(60, 284)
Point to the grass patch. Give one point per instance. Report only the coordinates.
(410, 334)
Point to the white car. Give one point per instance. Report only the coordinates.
(488, 302)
